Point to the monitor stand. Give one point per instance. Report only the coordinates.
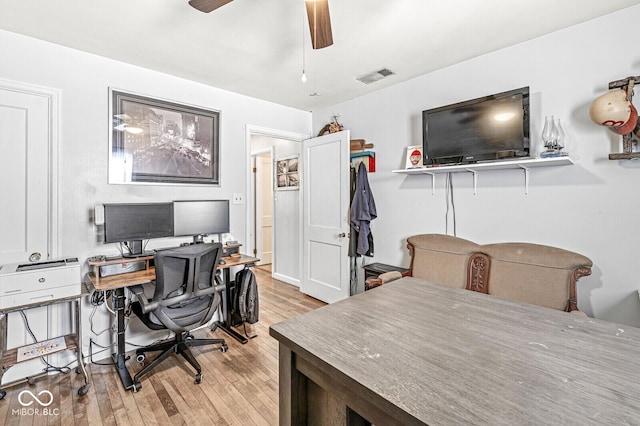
(134, 249)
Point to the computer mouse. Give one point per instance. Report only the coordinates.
(222, 262)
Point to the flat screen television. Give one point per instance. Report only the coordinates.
(490, 128)
(197, 218)
(132, 223)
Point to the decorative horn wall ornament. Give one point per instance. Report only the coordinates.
(616, 111)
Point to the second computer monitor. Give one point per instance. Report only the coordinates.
(197, 218)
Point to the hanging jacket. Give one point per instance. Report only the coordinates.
(363, 211)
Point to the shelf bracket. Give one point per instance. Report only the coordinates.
(475, 180)
(433, 182)
(526, 178)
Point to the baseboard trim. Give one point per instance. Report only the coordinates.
(286, 279)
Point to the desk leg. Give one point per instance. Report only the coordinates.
(225, 323)
(119, 356)
(3, 347)
(78, 314)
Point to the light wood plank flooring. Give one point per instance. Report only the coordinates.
(240, 387)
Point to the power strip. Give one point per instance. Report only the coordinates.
(40, 349)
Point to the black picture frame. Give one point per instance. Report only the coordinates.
(156, 141)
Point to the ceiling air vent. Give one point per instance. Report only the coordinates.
(375, 76)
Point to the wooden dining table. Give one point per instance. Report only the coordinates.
(412, 352)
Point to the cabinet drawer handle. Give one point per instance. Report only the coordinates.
(12, 291)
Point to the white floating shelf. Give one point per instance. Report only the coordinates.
(523, 164)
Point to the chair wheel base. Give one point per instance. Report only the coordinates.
(198, 378)
(2, 394)
(136, 386)
(224, 347)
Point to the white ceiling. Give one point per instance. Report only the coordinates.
(254, 47)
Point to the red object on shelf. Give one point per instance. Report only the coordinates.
(366, 157)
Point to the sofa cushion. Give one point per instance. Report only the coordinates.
(441, 259)
(533, 273)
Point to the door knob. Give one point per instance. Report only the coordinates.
(342, 235)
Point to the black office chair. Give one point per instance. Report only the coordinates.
(187, 293)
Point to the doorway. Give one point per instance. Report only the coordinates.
(281, 233)
(263, 205)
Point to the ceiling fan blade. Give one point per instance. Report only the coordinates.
(207, 6)
(319, 23)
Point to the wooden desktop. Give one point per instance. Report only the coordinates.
(118, 283)
(413, 353)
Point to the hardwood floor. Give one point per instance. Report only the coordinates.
(239, 387)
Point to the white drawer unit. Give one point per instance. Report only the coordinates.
(23, 284)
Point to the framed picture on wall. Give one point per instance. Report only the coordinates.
(286, 176)
(156, 141)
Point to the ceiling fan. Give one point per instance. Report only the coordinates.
(317, 12)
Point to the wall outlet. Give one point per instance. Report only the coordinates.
(238, 198)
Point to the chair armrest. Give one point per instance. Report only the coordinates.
(209, 290)
(217, 287)
(145, 304)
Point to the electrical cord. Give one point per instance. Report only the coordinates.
(98, 297)
(48, 367)
(96, 333)
(105, 348)
(450, 203)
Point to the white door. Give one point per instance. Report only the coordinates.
(27, 216)
(264, 209)
(325, 214)
(24, 169)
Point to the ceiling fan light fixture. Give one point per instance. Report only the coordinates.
(207, 6)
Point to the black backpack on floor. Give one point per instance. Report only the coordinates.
(245, 306)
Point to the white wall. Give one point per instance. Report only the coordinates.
(590, 207)
(83, 80)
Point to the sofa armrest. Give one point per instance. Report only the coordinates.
(382, 279)
(370, 283)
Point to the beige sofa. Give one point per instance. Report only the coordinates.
(530, 273)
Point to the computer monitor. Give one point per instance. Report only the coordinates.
(197, 218)
(134, 222)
